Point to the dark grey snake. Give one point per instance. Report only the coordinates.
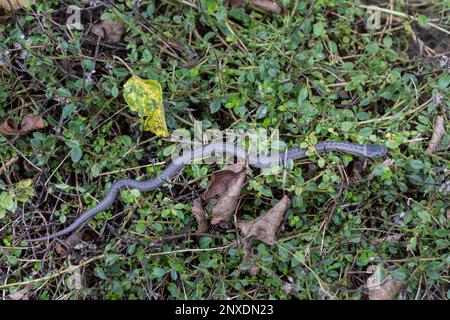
(256, 160)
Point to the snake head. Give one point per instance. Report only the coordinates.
(375, 151)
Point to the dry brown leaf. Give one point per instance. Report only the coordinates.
(200, 216)
(224, 209)
(265, 227)
(28, 124)
(11, 5)
(221, 181)
(31, 123)
(110, 30)
(382, 289)
(22, 294)
(438, 133)
(9, 127)
(267, 6)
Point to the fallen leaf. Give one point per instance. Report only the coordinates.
(438, 133)
(382, 288)
(31, 123)
(22, 294)
(28, 124)
(200, 216)
(265, 227)
(9, 127)
(224, 209)
(11, 5)
(145, 98)
(221, 181)
(110, 30)
(267, 6)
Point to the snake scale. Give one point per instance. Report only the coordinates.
(255, 160)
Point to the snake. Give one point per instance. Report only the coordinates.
(257, 160)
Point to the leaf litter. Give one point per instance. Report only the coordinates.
(29, 123)
(264, 228)
(382, 287)
(227, 184)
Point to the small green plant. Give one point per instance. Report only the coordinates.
(314, 74)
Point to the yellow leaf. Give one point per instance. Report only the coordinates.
(11, 5)
(24, 183)
(145, 98)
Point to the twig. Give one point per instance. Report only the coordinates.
(8, 164)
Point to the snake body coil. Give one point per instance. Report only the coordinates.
(256, 160)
